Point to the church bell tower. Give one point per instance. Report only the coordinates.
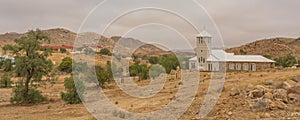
(203, 42)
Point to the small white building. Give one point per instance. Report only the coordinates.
(6, 57)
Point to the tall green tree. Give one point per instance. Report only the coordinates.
(31, 64)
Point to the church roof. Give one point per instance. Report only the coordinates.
(204, 34)
(221, 56)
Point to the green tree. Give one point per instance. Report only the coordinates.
(144, 72)
(153, 60)
(7, 65)
(31, 65)
(286, 61)
(134, 70)
(105, 51)
(169, 63)
(139, 70)
(102, 76)
(66, 65)
(5, 81)
(109, 70)
(62, 50)
(72, 96)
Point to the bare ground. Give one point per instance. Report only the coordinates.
(228, 107)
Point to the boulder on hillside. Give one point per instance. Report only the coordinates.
(260, 104)
(274, 105)
(286, 85)
(280, 95)
(234, 92)
(257, 92)
(296, 79)
(268, 95)
(294, 89)
(294, 98)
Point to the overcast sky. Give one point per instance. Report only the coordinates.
(239, 21)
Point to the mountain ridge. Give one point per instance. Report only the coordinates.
(274, 47)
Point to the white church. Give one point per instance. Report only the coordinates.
(209, 59)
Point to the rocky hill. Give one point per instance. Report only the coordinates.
(59, 36)
(275, 47)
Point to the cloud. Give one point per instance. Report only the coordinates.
(239, 21)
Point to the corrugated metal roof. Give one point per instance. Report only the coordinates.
(248, 58)
(221, 55)
(193, 59)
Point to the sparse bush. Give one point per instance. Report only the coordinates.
(268, 56)
(33, 96)
(1, 62)
(105, 51)
(62, 50)
(153, 60)
(169, 63)
(139, 70)
(66, 65)
(102, 76)
(7, 65)
(287, 61)
(72, 97)
(156, 70)
(119, 114)
(5, 81)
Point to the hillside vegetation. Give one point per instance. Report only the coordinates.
(274, 47)
(59, 37)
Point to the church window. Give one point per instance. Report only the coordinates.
(238, 66)
(245, 66)
(231, 66)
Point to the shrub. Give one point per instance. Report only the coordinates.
(5, 81)
(33, 96)
(72, 96)
(102, 75)
(7, 65)
(66, 65)
(1, 62)
(105, 51)
(268, 56)
(169, 63)
(153, 60)
(139, 70)
(156, 70)
(287, 61)
(62, 50)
